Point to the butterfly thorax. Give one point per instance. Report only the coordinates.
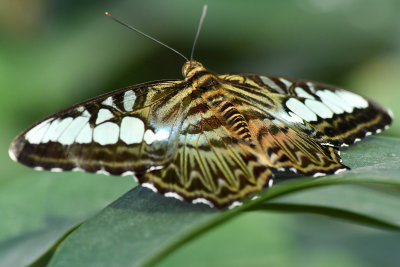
(209, 88)
(200, 79)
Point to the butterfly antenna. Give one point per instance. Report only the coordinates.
(203, 15)
(146, 35)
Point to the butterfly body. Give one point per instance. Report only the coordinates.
(208, 138)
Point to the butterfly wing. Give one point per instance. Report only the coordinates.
(212, 165)
(123, 132)
(231, 139)
(329, 114)
(281, 137)
(173, 141)
(171, 136)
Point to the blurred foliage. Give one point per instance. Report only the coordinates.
(56, 53)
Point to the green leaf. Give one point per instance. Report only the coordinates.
(338, 202)
(37, 209)
(142, 227)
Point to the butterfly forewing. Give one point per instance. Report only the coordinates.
(123, 132)
(286, 146)
(330, 114)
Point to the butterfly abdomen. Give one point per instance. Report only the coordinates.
(235, 120)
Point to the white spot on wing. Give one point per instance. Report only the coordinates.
(173, 195)
(302, 93)
(162, 135)
(80, 109)
(56, 169)
(291, 117)
(127, 173)
(203, 201)
(327, 144)
(103, 115)
(270, 83)
(301, 110)
(334, 102)
(71, 132)
(154, 168)
(340, 170)
(132, 130)
(319, 108)
(86, 114)
(57, 127)
(85, 136)
(295, 118)
(150, 186)
(390, 112)
(106, 133)
(38, 168)
(286, 82)
(149, 136)
(36, 134)
(319, 174)
(353, 99)
(311, 86)
(12, 155)
(108, 101)
(103, 171)
(50, 132)
(129, 100)
(235, 204)
(270, 182)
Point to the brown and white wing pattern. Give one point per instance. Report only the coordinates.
(329, 114)
(212, 139)
(214, 164)
(169, 136)
(123, 132)
(282, 136)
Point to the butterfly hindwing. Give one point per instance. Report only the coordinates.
(212, 165)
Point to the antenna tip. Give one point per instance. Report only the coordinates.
(107, 14)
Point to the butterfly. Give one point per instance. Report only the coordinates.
(209, 138)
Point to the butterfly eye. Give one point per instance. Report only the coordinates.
(185, 69)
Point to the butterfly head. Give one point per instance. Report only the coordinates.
(190, 68)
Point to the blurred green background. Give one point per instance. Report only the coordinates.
(57, 53)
